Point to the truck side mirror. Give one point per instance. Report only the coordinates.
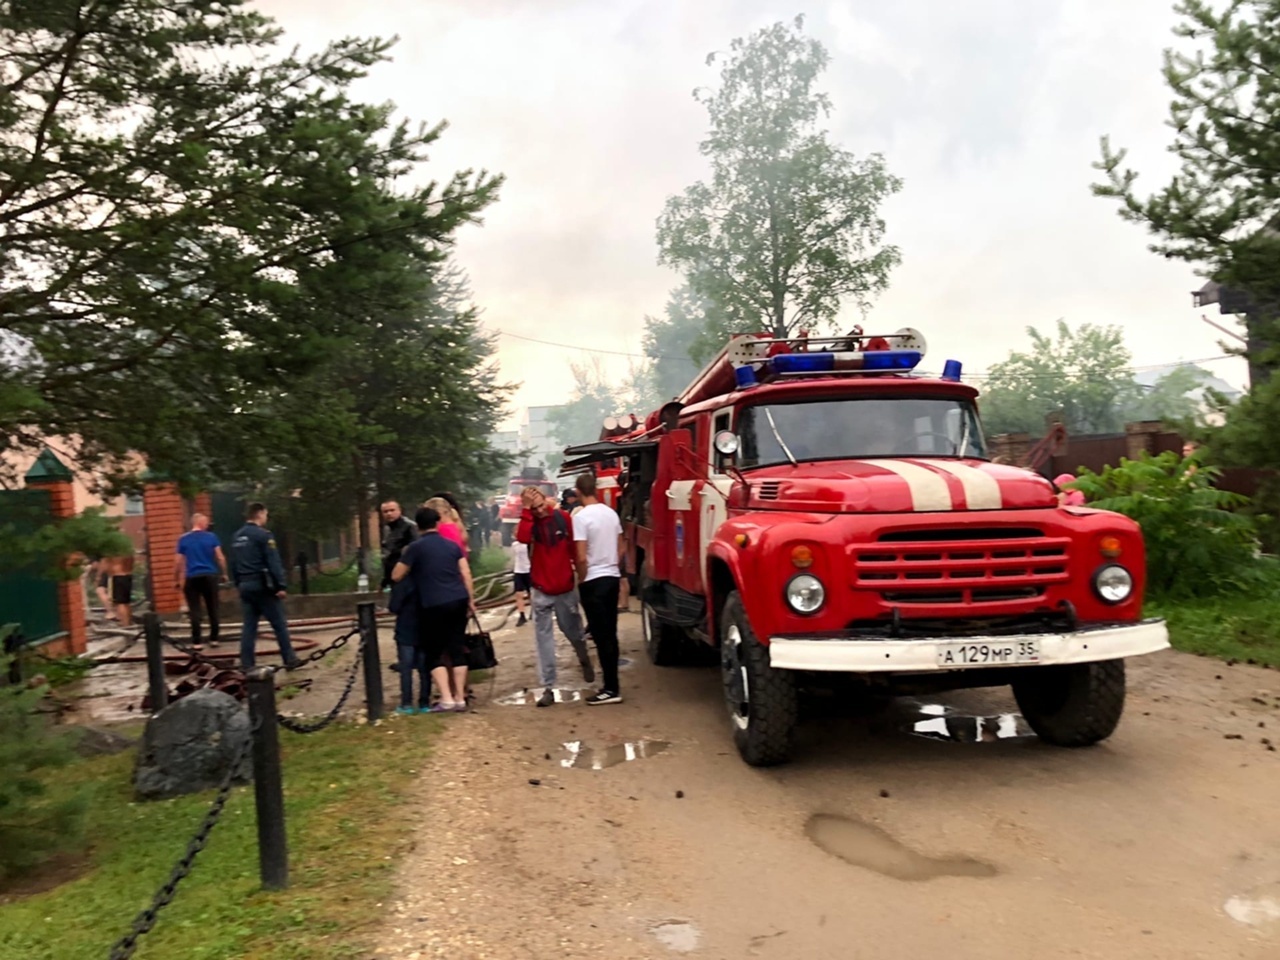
(726, 443)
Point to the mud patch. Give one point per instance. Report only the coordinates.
(871, 848)
(679, 936)
(583, 756)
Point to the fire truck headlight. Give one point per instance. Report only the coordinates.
(1113, 583)
(805, 593)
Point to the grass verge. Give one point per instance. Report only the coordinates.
(345, 837)
(1244, 628)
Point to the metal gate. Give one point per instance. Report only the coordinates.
(28, 596)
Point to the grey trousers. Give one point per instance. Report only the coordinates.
(564, 608)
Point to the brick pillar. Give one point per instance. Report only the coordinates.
(49, 473)
(204, 504)
(1140, 437)
(164, 512)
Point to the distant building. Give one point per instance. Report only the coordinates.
(506, 441)
(535, 437)
(1200, 394)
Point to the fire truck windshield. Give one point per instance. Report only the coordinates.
(855, 428)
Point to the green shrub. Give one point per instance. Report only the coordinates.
(1199, 543)
(33, 825)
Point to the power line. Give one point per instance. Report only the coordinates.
(574, 346)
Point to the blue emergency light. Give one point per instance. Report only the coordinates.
(826, 361)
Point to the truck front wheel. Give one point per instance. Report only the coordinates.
(1074, 705)
(761, 700)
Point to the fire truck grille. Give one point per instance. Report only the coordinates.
(937, 567)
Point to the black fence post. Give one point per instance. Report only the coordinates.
(268, 785)
(367, 618)
(302, 573)
(156, 686)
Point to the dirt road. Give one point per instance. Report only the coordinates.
(879, 841)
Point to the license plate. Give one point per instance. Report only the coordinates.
(988, 654)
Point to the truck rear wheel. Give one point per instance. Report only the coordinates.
(508, 534)
(665, 643)
(1074, 705)
(761, 700)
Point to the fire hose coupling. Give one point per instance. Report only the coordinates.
(1113, 583)
(805, 593)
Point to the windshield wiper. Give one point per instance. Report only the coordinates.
(768, 414)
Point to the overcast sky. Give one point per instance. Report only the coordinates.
(990, 111)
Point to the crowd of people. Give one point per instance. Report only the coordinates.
(567, 560)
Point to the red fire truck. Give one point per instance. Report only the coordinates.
(819, 512)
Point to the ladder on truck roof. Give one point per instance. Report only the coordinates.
(748, 359)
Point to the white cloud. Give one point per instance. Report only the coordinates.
(990, 110)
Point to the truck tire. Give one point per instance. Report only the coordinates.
(1075, 705)
(762, 701)
(508, 534)
(665, 643)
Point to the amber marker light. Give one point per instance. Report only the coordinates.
(1109, 546)
(741, 540)
(801, 557)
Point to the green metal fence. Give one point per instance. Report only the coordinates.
(27, 596)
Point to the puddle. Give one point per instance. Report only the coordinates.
(599, 758)
(1260, 908)
(871, 848)
(1006, 726)
(678, 935)
(936, 721)
(523, 698)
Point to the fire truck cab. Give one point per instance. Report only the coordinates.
(815, 508)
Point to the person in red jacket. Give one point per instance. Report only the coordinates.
(549, 534)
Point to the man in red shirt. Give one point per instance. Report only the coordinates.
(549, 534)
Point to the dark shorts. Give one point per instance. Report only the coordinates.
(104, 581)
(122, 589)
(522, 582)
(442, 634)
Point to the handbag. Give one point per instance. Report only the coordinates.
(480, 655)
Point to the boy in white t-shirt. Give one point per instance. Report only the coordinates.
(597, 534)
(520, 569)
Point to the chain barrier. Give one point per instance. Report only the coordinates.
(300, 726)
(315, 656)
(145, 920)
(114, 655)
(192, 652)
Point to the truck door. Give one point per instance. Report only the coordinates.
(683, 499)
(715, 491)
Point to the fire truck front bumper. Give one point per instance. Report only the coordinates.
(938, 654)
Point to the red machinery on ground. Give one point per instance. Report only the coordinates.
(818, 512)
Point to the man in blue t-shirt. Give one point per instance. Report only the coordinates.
(199, 567)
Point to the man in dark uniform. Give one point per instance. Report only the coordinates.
(257, 571)
(397, 533)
